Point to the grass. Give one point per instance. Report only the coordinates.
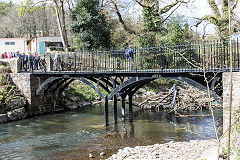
(161, 82)
(84, 92)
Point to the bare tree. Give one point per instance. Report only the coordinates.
(220, 16)
(39, 23)
(154, 5)
(59, 6)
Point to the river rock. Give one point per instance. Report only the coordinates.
(74, 99)
(149, 94)
(17, 114)
(3, 118)
(102, 153)
(16, 103)
(91, 156)
(71, 104)
(84, 103)
(192, 150)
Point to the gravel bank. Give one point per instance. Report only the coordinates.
(193, 150)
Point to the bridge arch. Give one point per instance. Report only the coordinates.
(53, 80)
(129, 86)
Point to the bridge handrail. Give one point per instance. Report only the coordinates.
(194, 55)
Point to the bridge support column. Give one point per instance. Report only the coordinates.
(123, 106)
(130, 108)
(115, 108)
(235, 98)
(106, 111)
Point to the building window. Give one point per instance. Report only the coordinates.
(9, 43)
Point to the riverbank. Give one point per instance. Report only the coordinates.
(13, 104)
(193, 150)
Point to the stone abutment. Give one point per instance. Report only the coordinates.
(235, 98)
(28, 84)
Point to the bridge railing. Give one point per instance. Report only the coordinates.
(201, 55)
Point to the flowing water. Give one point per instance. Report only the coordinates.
(76, 134)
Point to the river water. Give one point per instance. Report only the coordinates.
(76, 134)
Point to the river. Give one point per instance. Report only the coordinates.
(76, 134)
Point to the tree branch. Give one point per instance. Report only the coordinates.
(172, 12)
(120, 18)
(235, 2)
(170, 6)
(214, 7)
(143, 5)
(211, 19)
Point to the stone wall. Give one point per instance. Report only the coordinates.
(22, 81)
(235, 135)
(28, 84)
(14, 64)
(235, 97)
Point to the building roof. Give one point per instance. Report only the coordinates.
(46, 39)
(14, 38)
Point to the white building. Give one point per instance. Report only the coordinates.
(13, 45)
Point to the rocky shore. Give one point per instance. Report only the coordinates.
(193, 150)
(13, 105)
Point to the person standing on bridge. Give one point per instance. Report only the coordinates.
(129, 54)
(58, 61)
(25, 61)
(30, 61)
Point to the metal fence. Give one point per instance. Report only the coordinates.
(198, 55)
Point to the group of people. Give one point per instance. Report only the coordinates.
(30, 62)
(10, 54)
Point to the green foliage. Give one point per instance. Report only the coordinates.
(173, 32)
(238, 128)
(90, 26)
(238, 155)
(84, 92)
(3, 7)
(177, 31)
(152, 26)
(1, 78)
(161, 82)
(151, 22)
(119, 38)
(6, 94)
(147, 39)
(28, 6)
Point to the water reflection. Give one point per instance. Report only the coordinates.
(60, 135)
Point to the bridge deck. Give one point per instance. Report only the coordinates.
(169, 72)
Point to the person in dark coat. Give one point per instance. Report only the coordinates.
(36, 61)
(25, 61)
(30, 61)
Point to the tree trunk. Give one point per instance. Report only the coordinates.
(60, 27)
(64, 31)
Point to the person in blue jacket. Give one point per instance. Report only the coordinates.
(129, 54)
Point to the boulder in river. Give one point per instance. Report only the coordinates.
(16, 103)
(17, 114)
(3, 118)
